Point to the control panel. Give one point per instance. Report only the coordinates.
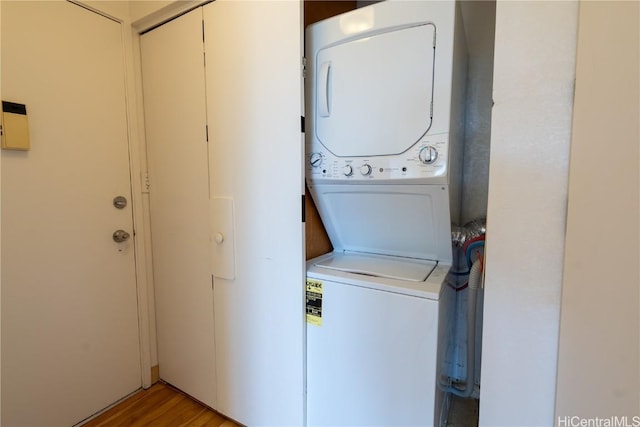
(426, 159)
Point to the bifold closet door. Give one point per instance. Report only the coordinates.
(254, 98)
(175, 122)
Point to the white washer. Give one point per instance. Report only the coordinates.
(372, 360)
(385, 118)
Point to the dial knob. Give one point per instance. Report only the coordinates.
(428, 154)
(347, 170)
(315, 159)
(365, 169)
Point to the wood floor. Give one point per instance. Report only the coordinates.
(160, 406)
(163, 406)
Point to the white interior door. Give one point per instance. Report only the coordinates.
(254, 97)
(175, 122)
(70, 343)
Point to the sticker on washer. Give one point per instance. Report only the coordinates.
(314, 302)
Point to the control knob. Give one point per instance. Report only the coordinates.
(347, 170)
(428, 154)
(315, 159)
(365, 169)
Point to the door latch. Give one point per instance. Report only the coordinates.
(120, 236)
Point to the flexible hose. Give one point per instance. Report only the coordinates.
(469, 251)
(475, 281)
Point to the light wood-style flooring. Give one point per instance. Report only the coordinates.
(160, 406)
(164, 406)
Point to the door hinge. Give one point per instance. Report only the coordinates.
(304, 67)
(206, 131)
(146, 185)
(204, 51)
(304, 210)
(302, 124)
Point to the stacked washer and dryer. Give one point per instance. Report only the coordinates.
(385, 127)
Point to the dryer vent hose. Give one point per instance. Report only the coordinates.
(470, 231)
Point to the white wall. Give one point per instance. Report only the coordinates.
(146, 14)
(599, 354)
(139, 8)
(116, 9)
(479, 21)
(530, 135)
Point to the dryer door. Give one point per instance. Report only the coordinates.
(374, 94)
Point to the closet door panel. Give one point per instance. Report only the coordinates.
(175, 122)
(253, 69)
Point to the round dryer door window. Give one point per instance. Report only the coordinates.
(374, 94)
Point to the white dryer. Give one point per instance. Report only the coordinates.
(385, 116)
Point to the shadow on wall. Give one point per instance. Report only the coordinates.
(479, 20)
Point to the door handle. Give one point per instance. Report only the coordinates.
(323, 90)
(120, 236)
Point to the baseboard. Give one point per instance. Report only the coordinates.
(155, 374)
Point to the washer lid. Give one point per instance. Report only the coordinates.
(374, 94)
(415, 270)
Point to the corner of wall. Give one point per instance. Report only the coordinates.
(528, 174)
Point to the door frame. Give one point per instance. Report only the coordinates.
(119, 12)
(133, 31)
